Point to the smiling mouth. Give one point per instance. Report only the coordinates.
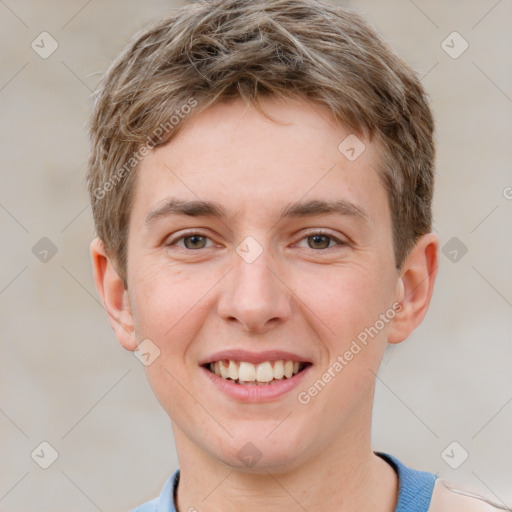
(262, 374)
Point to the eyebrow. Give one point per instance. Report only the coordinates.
(299, 209)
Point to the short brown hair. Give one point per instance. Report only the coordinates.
(211, 51)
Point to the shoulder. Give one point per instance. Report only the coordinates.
(448, 499)
(149, 506)
(164, 502)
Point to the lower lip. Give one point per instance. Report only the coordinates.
(250, 393)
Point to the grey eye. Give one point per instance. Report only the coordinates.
(319, 241)
(196, 241)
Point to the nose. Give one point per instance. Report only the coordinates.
(254, 296)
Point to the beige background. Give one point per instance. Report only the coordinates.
(65, 380)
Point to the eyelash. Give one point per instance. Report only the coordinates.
(321, 232)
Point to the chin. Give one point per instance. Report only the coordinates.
(261, 452)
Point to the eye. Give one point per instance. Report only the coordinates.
(315, 240)
(322, 240)
(191, 241)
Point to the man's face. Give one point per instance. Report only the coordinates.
(254, 283)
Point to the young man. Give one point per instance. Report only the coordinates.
(261, 179)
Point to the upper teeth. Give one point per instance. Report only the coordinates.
(248, 372)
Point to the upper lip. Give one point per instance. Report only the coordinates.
(253, 357)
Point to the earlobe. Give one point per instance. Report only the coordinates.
(415, 287)
(113, 295)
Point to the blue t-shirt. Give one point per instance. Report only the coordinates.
(414, 493)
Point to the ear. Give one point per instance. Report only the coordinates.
(113, 295)
(415, 286)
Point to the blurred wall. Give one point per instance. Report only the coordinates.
(66, 381)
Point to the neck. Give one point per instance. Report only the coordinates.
(346, 476)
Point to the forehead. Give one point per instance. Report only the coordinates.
(231, 155)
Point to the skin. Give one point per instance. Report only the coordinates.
(305, 295)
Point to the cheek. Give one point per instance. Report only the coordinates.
(168, 311)
(345, 299)
(163, 298)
